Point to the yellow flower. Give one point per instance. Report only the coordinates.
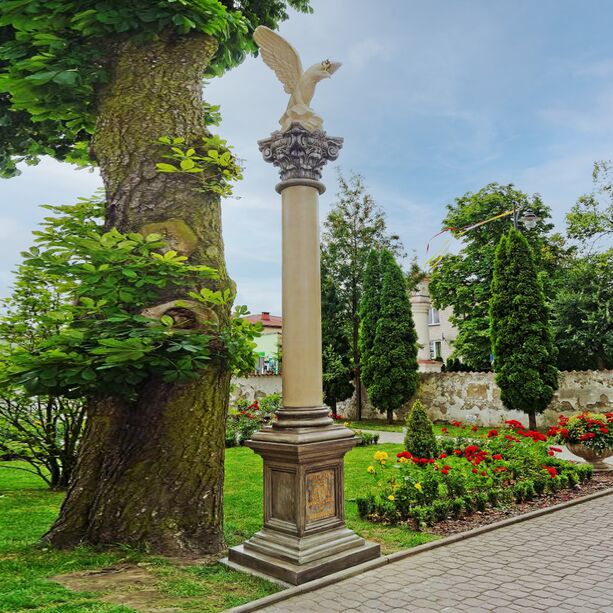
(391, 497)
(347, 424)
(418, 487)
(380, 456)
(371, 469)
(403, 460)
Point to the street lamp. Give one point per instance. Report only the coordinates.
(529, 218)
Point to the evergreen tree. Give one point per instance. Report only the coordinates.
(419, 439)
(369, 316)
(524, 355)
(392, 360)
(337, 371)
(354, 226)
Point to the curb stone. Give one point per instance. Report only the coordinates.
(311, 586)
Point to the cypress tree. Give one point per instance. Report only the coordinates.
(337, 370)
(524, 354)
(369, 316)
(392, 360)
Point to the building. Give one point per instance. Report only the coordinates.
(268, 346)
(435, 334)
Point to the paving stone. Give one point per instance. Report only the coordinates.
(519, 568)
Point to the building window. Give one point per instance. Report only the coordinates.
(435, 350)
(434, 317)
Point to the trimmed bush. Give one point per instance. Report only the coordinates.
(420, 440)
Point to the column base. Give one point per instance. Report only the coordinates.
(297, 574)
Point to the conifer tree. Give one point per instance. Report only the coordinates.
(392, 360)
(524, 355)
(337, 371)
(369, 315)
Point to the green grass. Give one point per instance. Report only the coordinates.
(27, 509)
(379, 424)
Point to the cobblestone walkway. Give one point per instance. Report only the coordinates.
(562, 561)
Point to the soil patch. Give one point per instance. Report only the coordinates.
(599, 482)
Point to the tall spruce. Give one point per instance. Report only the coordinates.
(524, 354)
(392, 359)
(337, 371)
(463, 280)
(354, 226)
(370, 307)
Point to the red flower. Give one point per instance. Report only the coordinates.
(445, 471)
(442, 456)
(457, 452)
(444, 430)
(446, 467)
(604, 430)
(496, 456)
(552, 431)
(483, 473)
(492, 433)
(587, 436)
(514, 424)
(404, 454)
(500, 469)
(556, 449)
(551, 470)
(474, 428)
(475, 470)
(564, 432)
(456, 424)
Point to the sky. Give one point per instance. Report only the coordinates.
(434, 99)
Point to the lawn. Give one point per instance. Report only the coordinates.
(439, 429)
(27, 508)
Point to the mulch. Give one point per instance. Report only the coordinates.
(599, 481)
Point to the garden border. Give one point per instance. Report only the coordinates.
(406, 553)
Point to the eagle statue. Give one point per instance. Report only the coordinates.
(284, 60)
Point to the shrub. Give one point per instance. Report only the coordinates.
(481, 501)
(420, 440)
(584, 472)
(246, 419)
(441, 509)
(457, 507)
(366, 438)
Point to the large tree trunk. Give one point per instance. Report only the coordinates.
(390, 416)
(150, 471)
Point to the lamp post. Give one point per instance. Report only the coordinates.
(529, 218)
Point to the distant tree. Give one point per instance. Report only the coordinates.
(524, 355)
(583, 314)
(462, 281)
(354, 226)
(43, 431)
(391, 361)
(591, 218)
(337, 371)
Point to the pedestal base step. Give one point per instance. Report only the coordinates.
(298, 574)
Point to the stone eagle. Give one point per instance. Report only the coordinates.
(284, 60)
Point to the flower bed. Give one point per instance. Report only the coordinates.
(500, 468)
(592, 430)
(245, 419)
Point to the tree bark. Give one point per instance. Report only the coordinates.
(532, 420)
(150, 470)
(390, 416)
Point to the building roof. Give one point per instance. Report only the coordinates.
(266, 319)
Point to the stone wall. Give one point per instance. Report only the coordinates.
(475, 397)
(254, 387)
(472, 397)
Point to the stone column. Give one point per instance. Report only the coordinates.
(304, 534)
(420, 305)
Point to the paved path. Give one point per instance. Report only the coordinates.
(398, 437)
(562, 561)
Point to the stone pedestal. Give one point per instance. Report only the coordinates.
(304, 536)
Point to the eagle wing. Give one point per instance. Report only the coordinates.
(280, 56)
